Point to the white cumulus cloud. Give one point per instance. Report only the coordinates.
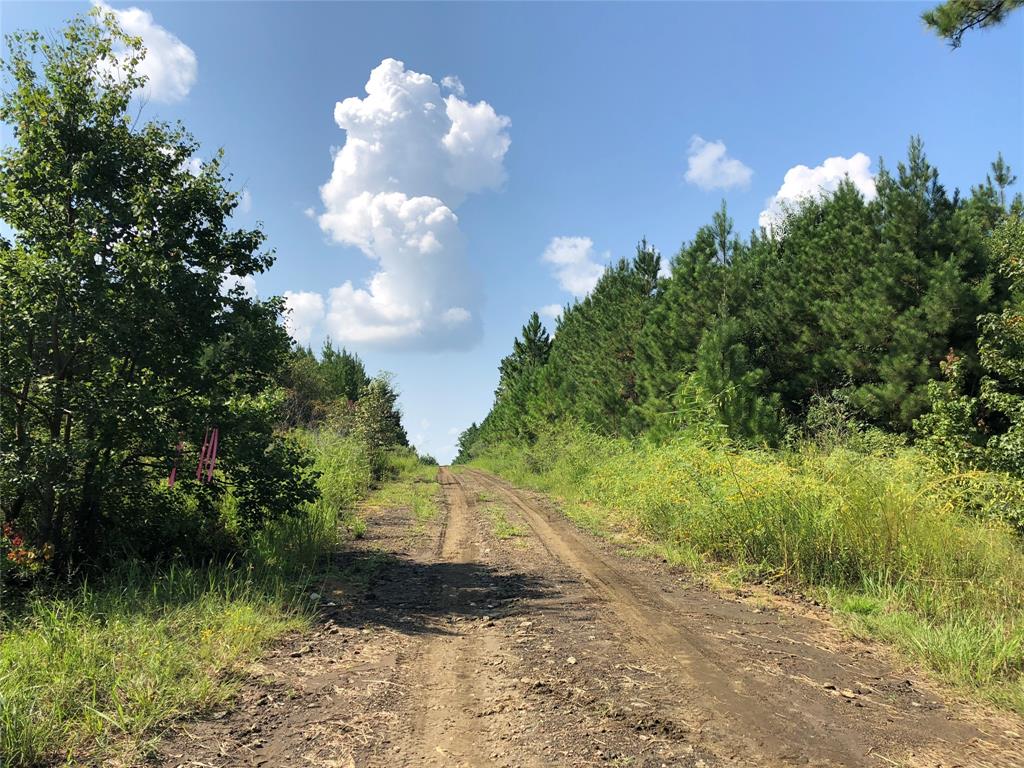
(169, 65)
(551, 311)
(305, 313)
(802, 182)
(229, 281)
(410, 157)
(574, 262)
(709, 166)
(453, 84)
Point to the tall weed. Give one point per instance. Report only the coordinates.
(92, 676)
(891, 525)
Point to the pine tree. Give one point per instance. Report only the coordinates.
(953, 18)
(529, 351)
(343, 373)
(689, 301)
(592, 369)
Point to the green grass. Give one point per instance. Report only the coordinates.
(503, 528)
(902, 551)
(414, 487)
(96, 675)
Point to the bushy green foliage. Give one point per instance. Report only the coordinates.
(322, 389)
(724, 374)
(334, 394)
(378, 423)
(986, 429)
(119, 339)
(467, 442)
(91, 677)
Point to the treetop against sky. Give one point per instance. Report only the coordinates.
(431, 174)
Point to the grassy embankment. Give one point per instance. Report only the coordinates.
(901, 550)
(95, 675)
(415, 488)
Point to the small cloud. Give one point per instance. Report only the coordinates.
(230, 280)
(245, 202)
(453, 84)
(169, 66)
(455, 316)
(550, 310)
(802, 182)
(576, 268)
(710, 167)
(309, 213)
(305, 313)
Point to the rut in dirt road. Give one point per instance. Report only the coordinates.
(446, 730)
(498, 634)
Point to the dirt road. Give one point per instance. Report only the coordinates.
(499, 635)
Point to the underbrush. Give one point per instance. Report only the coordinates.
(930, 554)
(94, 675)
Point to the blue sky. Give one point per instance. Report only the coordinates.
(601, 124)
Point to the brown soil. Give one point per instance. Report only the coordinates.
(451, 645)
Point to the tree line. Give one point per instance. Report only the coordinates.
(902, 312)
(126, 337)
(335, 392)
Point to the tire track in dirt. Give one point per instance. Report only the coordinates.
(456, 723)
(454, 641)
(768, 719)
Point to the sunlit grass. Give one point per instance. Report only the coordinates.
(898, 546)
(414, 487)
(94, 677)
(96, 674)
(503, 527)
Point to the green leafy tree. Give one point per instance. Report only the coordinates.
(518, 383)
(866, 298)
(343, 373)
(467, 442)
(930, 271)
(953, 18)
(688, 303)
(987, 429)
(322, 390)
(305, 389)
(1002, 352)
(119, 339)
(725, 376)
(378, 422)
